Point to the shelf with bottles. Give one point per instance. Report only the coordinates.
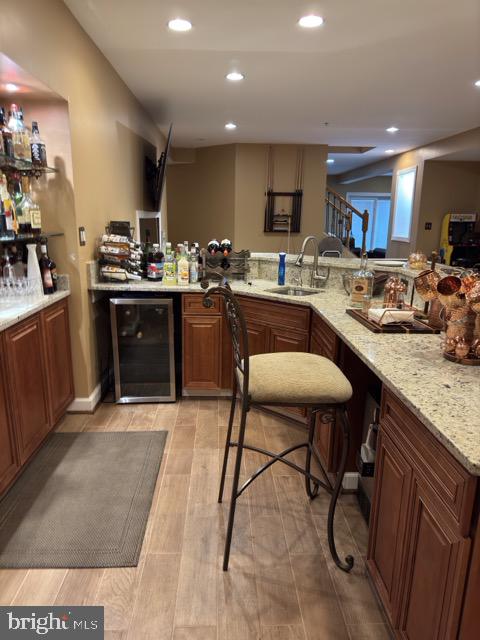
(29, 237)
(26, 167)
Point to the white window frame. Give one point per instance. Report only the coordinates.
(372, 214)
(405, 239)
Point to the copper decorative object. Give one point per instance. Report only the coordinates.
(426, 284)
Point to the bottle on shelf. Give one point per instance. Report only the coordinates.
(24, 207)
(361, 283)
(7, 139)
(48, 269)
(25, 136)
(37, 147)
(9, 222)
(17, 128)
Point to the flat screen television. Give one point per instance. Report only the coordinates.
(156, 173)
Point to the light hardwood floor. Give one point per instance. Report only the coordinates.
(282, 584)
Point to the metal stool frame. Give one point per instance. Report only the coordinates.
(238, 331)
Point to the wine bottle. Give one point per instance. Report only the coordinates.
(37, 146)
(48, 269)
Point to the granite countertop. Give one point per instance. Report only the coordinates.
(13, 311)
(443, 395)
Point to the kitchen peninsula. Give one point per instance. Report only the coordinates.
(424, 520)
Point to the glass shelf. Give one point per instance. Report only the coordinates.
(24, 166)
(26, 237)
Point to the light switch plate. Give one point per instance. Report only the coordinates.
(82, 236)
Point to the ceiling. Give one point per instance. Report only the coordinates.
(373, 64)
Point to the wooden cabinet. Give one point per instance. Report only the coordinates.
(324, 342)
(36, 385)
(26, 368)
(388, 523)
(8, 453)
(421, 523)
(207, 351)
(202, 344)
(58, 357)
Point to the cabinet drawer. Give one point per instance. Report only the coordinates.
(325, 337)
(193, 305)
(453, 485)
(278, 314)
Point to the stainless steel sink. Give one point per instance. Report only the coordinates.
(294, 291)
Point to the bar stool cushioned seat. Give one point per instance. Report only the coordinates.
(296, 378)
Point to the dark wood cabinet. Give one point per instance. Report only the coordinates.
(8, 453)
(26, 367)
(287, 340)
(258, 338)
(388, 523)
(324, 342)
(420, 527)
(202, 347)
(56, 334)
(436, 567)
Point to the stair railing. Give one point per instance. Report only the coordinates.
(338, 218)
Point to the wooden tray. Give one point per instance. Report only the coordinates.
(417, 326)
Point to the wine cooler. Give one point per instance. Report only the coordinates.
(143, 349)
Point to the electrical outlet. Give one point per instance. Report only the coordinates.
(428, 226)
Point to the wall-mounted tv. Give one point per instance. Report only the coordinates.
(156, 173)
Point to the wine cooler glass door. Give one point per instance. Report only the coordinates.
(143, 349)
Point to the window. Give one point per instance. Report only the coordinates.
(403, 209)
(378, 207)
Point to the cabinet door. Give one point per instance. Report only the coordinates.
(388, 523)
(8, 453)
(324, 432)
(56, 333)
(202, 352)
(437, 557)
(28, 384)
(258, 337)
(287, 340)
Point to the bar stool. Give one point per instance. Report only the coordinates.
(286, 379)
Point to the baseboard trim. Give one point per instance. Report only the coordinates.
(88, 404)
(350, 481)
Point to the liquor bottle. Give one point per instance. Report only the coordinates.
(48, 269)
(25, 136)
(37, 147)
(362, 283)
(8, 208)
(16, 127)
(25, 207)
(155, 264)
(35, 216)
(6, 135)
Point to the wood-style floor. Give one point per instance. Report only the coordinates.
(282, 584)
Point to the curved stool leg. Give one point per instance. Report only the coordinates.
(348, 564)
(228, 439)
(311, 492)
(236, 478)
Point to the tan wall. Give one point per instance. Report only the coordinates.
(108, 132)
(250, 185)
(222, 194)
(447, 187)
(200, 196)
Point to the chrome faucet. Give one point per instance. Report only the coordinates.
(315, 277)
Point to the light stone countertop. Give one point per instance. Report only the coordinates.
(13, 311)
(443, 395)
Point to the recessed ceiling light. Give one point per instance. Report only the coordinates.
(477, 83)
(230, 126)
(390, 151)
(179, 24)
(392, 129)
(311, 21)
(330, 161)
(235, 76)
(11, 88)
